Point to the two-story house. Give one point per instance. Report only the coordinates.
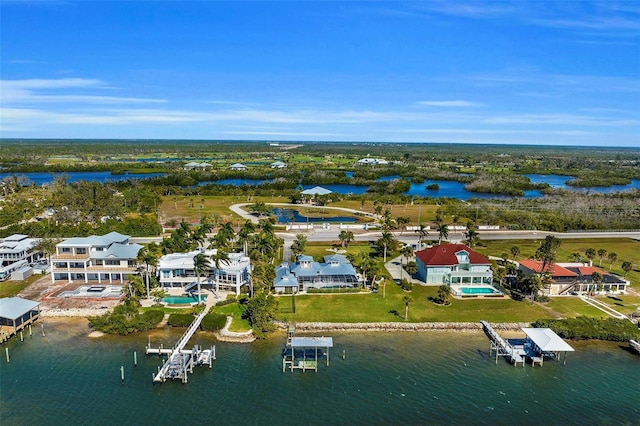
(334, 272)
(102, 259)
(453, 264)
(176, 270)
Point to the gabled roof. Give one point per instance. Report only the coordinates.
(316, 190)
(15, 307)
(445, 255)
(547, 340)
(554, 269)
(118, 251)
(237, 166)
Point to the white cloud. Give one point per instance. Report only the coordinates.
(36, 91)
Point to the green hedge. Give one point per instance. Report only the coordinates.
(180, 320)
(125, 319)
(213, 322)
(586, 328)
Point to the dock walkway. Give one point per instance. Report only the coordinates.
(180, 362)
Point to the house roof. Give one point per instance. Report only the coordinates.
(445, 255)
(554, 269)
(237, 166)
(118, 251)
(316, 190)
(15, 307)
(288, 280)
(95, 240)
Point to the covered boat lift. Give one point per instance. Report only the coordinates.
(16, 314)
(544, 342)
(303, 344)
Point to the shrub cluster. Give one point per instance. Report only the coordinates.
(406, 284)
(585, 328)
(180, 319)
(126, 319)
(213, 321)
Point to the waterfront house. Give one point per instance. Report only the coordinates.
(196, 166)
(102, 259)
(575, 277)
(335, 271)
(278, 165)
(176, 270)
(238, 167)
(371, 162)
(17, 247)
(453, 264)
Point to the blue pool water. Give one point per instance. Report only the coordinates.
(182, 300)
(478, 290)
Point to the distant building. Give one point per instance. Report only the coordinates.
(453, 264)
(568, 278)
(334, 272)
(196, 166)
(17, 247)
(238, 167)
(278, 165)
(176, 270)
(371, 162)
(98, 259)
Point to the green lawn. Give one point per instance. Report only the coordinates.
(569, 307)
(238, 324)
(626, 304)
(12, 288)
(374, 308)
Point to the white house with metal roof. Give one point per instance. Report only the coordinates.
(106, 258)
(238, 167)
(176, 270)
(335, 271)
(17, 247)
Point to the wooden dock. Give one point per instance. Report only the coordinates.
(504, 348)
(180, 362)
(635, 345)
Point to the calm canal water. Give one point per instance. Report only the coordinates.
(387, 378)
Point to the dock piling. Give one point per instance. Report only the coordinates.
(135, 359)
(21, 336)
(344, 354)
(42, 329)
(122, 373)
(30, 332)
(6, 351)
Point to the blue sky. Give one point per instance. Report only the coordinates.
(553, 73)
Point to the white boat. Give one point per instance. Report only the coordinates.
(634, 345)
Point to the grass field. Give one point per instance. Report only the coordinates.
(11, 288)
(192, 209)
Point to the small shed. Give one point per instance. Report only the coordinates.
(22, 273)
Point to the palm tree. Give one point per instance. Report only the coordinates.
(406, 300)
(443, 232)
(601, 254)
(575, 257)
(386, 240)
(218, 257)
(422, 232)
(201, 266)
(590, 253)
(345, 238)
(245, 234)
(472, 234)
(626, 267)
(148, 257)
(402, 222)
(612, 258)
(299, 244)
(596, 277)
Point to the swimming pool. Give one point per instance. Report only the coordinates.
(475, 291)
(182, 300)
